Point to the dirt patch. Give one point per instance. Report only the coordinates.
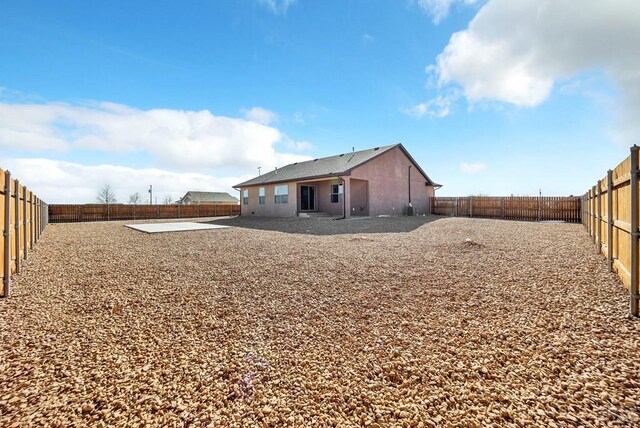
(247, 327)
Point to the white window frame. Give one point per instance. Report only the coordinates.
(281, 194)
(261, 195)
(339, 194)
(245, 196)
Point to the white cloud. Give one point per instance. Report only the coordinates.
(368, 38)
(439, 9)
(260, 115)
(194, 141)
(438, 107)
(298, 145)
(279, 7)
(66, 182)
(515, 51)
(472, 168)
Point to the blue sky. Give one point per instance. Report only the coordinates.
(490, 97)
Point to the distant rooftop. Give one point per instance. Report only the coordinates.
(202, 197)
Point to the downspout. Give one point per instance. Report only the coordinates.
(344, 201)
(409, 207)
(409, 185)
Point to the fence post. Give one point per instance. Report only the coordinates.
(592, 233)
(32, 231)
(25, 223)
(610, 220)
(539, 206)
(584, 210)
(16, 223)
(599, 216)
(6, 280)
(36, 213)
(633, 301)
(470, 206)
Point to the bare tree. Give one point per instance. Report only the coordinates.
(168, 200)
(135, 198)
(106, 195)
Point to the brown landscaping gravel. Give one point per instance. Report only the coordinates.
(455, 322)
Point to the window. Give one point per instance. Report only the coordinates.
(261, 195)
(336, 193)
(245, 196)
(282, 194)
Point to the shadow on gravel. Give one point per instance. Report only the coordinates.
(329, 226)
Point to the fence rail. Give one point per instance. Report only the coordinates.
(610, 215)
(543, 208)
(59, 213)
(23, 217)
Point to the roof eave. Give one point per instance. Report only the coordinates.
(290, 180)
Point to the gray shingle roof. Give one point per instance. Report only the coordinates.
(323, 167)
(210, 197)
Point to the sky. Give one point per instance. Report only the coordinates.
(494, 97)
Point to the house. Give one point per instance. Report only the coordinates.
(378, 181)
(195, 198)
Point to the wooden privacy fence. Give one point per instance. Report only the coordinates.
(105, 212)
(23, 217)
(610, 216)
(542, 208)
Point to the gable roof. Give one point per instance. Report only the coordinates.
(210, 197)
(325, 167)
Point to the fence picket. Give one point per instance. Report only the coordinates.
(65, 213)
(511, 208)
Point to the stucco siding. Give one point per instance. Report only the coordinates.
(388, 184)
(359, 197)
(324, 198)
(269, 208)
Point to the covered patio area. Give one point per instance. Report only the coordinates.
(328, 196)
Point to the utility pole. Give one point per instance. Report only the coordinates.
(150, 194)
(540, 204)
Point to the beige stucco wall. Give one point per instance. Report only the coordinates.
(359, 197)
(269, 208)
(388, 184)
(323, 191)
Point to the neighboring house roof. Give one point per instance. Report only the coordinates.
(202, 197)
(326, 167)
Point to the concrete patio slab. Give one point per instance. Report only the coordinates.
(173, 227)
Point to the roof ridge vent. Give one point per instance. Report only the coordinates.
(315, 160)
(375, 148)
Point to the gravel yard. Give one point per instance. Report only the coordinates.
(452, 322)
(329, 226)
